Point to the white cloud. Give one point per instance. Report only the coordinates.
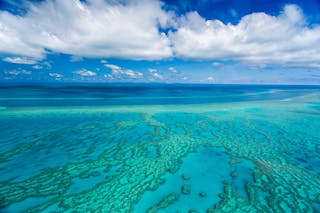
(85, 72)
(47, 64)
(13, 72)
(55, 75)
(18, 72)
(108, 76)
(112, 67)
(155, 74)
(93, 28)
(217, 65)
(130, 30)
(172, 69)
(37, 67)
(210, 78)
(258, 65)
(76, 58)
(151, 70)
(257, 38)
(18, 60)
(133, 74)
(123, 73)
(26, 72)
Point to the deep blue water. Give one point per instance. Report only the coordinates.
(143, 94)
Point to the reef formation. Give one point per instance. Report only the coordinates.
(120, 156)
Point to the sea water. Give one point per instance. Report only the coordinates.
(159, 148)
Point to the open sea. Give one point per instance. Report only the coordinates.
(159, 148)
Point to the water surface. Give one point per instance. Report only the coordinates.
(159, 148)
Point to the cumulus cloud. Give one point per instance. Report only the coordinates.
(133, 74)
(151, 70)
(93, 28)
(258, 38)
(47, 65)
(133, 29)
(155, 74)
(12, 72)
(113, 67)
(76, 58)
(37, 67)
(85, 72)
(55, 75)
(121, 73)
(18, 72)
(26, 72)
(108, 76)
(19, 60)
(217, 65)
(210, 78)
(172, 69)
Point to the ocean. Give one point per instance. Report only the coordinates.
(159, 148)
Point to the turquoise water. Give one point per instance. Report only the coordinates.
(159, 148)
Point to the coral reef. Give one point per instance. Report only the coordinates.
(121, 156)
(185, 189)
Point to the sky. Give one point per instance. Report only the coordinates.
(195, 41)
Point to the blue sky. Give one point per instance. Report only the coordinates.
(196, 41)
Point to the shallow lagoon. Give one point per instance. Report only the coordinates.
(160, 149)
